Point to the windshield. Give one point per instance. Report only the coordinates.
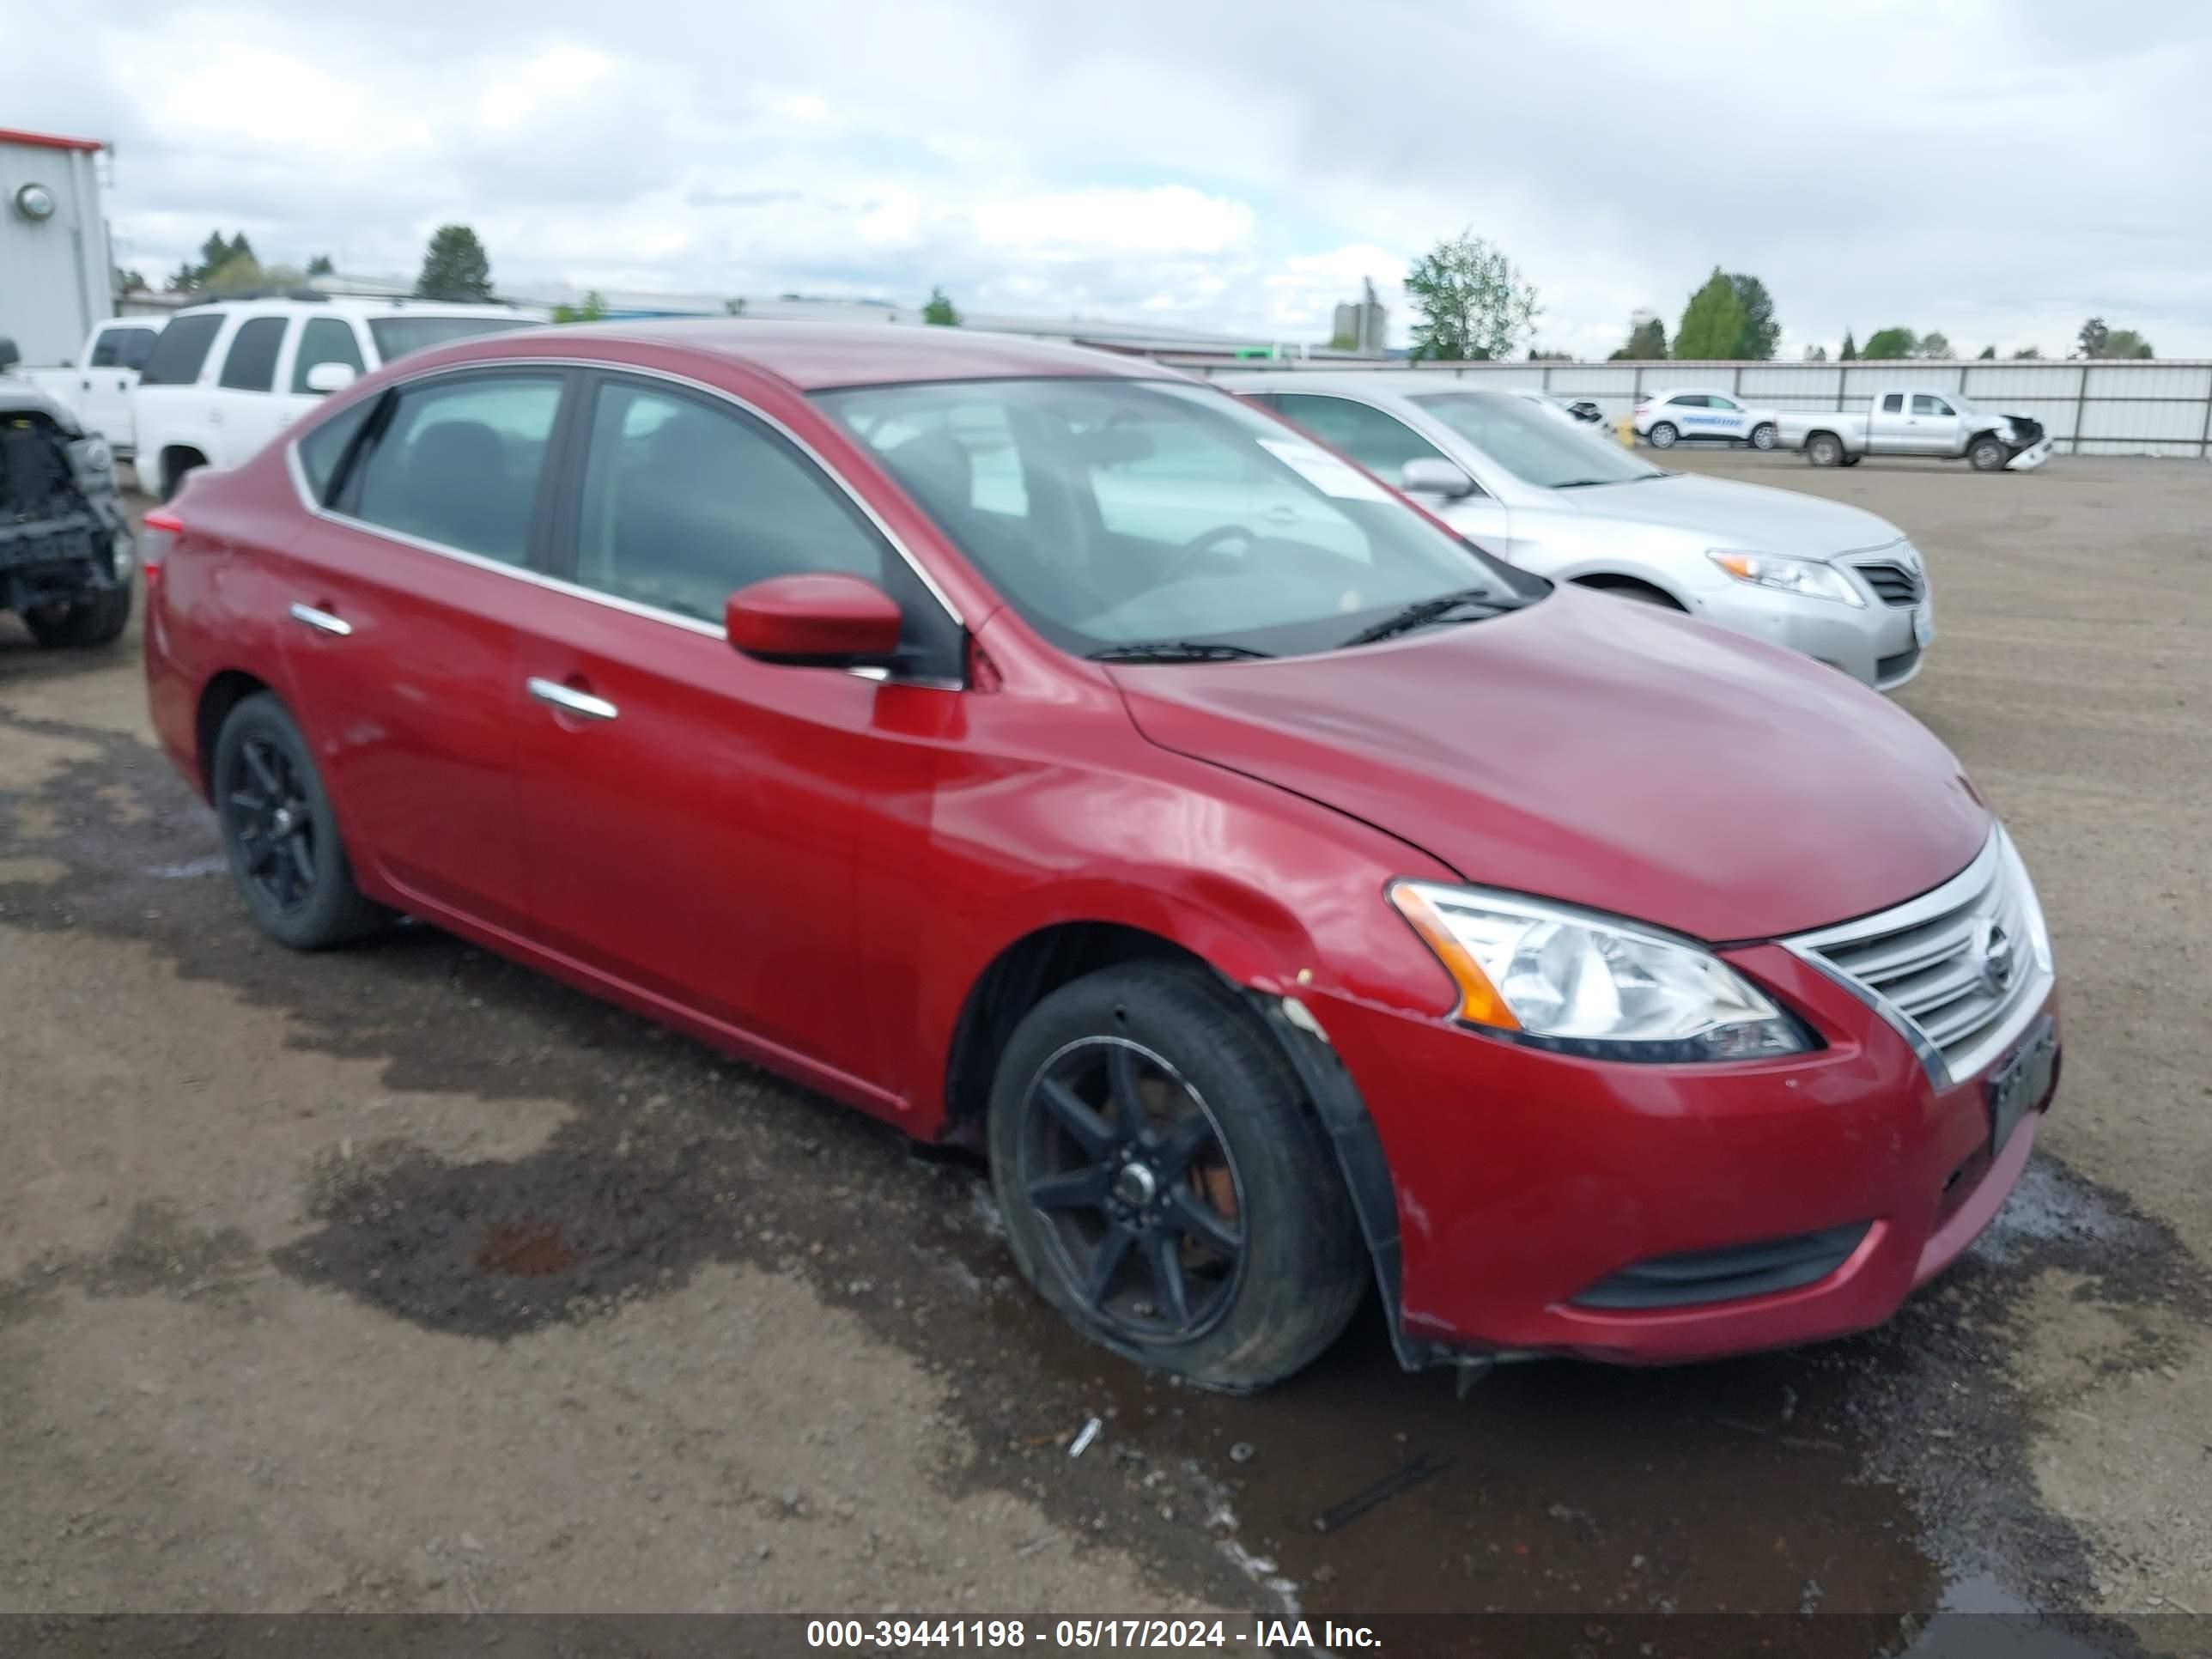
(396, 337)
(1119, 513)
(1533, 446)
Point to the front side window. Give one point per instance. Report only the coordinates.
(1531, 446)
(1924, 404)
(123, 347)
(457, 463)
(685, 501)
(182, 350)
(395, 337)
(250, 365)
(1719, 402)
(1381, 443)
(324, 340)
(1154, 512)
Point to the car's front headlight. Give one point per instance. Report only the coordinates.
(1564, 979)
(1806, 578)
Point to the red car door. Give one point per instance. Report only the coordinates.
(696, 817)
(401, 645)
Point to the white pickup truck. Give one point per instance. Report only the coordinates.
(1914, 421)
(96, 386)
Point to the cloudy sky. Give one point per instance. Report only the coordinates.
(1998, 171)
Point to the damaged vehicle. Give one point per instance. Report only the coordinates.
(1049, 753)
(1916, 421)
(66, 551)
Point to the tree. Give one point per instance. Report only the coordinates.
(1988, 352)
(2027, 353)
(1816, 353)
(1536, 356)
(1755, 341)
(734, 307)
(1850, 351)
(1934, 344)
(1647, 342)
(592, 311)
(454, 266)
(1890, 344)
(320, 265)
(129, 282)
(1471, 302)
(2093, 336)
(1712, 323)
(2126, 342)
(216, 252)
(940, 310)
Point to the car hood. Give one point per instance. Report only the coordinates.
(1611, 755)
(1749, 517)
(19, 397)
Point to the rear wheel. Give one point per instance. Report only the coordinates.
(1824, 449)
(1663, 435)
(88, 622)
(1764, 436)
(281, 836)
(1165, 1188)
(1987, 454)
(175, 467)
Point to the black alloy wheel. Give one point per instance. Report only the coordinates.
(267, 808)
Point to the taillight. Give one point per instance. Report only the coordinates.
(157, 531)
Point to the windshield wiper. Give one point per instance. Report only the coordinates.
(1425, 612)
(1175, 651)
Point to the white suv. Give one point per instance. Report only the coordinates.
(227, 375)
(1700, 415)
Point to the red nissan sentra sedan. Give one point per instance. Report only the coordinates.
(1038, 749)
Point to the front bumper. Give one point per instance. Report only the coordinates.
(1525, 1179)
(1876, 644)
(2031, 458)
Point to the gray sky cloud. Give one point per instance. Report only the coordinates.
(1997, 170)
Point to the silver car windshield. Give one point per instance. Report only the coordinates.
(1533, 446)
(1141, 516)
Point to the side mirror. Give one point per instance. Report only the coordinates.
(1431, 476)
(325, 378)
(817, 621)
(9, 356)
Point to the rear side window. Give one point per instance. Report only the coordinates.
(322, 449)
(122, 348)
(457, 463)
(1689, 400)
(324, 340)
(252, 364)
(182, 350)
(1893, 404)
(396, 337)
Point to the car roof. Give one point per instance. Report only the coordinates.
(1694, 392)
(813, 356)
(278, 306)
(1398, 382)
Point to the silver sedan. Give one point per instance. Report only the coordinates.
(1814, 575)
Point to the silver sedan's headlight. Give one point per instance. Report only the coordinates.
(1564, 979)
(1809, 579)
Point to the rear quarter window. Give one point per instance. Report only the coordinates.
(182, 351)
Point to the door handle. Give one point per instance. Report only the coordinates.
(215, 417)
(321, 621)
(569, 701)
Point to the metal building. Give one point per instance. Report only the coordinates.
(55, 277)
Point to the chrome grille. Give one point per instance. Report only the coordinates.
(1927, 965)
(1893, 583)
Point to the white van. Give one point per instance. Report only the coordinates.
(227, 375)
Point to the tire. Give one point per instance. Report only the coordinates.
(280, 835)
(1852, 461)
(174, 476)
(1824, 449)
(1987, 454)
(1764, 436)
(1663, 436)
(1229, 1149)
(97, 621)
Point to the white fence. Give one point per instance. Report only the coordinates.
(2115, 407)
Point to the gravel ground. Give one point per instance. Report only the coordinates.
(400, 1278)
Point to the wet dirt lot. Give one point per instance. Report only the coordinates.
(401, 1279)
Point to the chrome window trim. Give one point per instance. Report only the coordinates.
(577, 590)
(1987, 871)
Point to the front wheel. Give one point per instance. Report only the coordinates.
(1663, 436)
(1852, 461)
(81, 626)
(280, 835)
(1824, 449)
(1764, 436)
(1987, 455)
(1164, 1185)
